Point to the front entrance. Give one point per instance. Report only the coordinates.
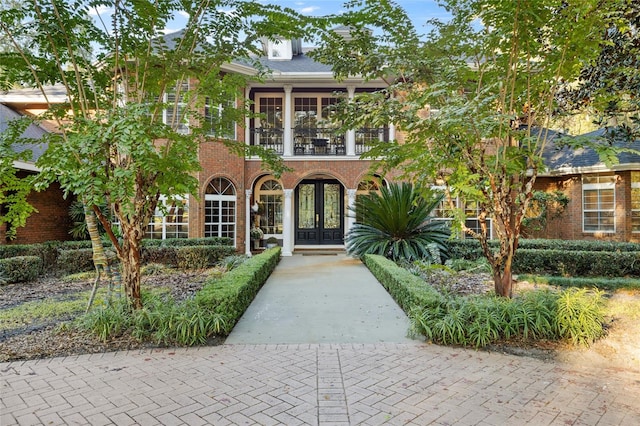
(319, 212)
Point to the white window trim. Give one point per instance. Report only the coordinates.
(260, 192)
(599, 186)
(221, 198)
(634, 185)
(219, 108)
(165, 116)
(159, 214)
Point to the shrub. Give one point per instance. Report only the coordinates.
(580, 316)
(397, 224)
(179, 242)
(72, 261)
(480, 320)
(159, 254)
(20, 268)
(586, 282)
(577, 263)
(408, 290)
(201, 257)
(232, 294)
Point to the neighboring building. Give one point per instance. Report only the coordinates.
(604, 202)
(51, 221)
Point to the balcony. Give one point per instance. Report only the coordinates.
(316, 141)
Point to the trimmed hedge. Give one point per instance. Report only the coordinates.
(611, 284)
(563, 257)
(73, 261)
(20, 269)
(231, 295)
(201, 257)
(408, 290)
(180, 242)
(577, 263)
(470, 249)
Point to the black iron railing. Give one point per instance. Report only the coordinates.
(318, 140)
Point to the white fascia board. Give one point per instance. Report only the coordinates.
(239, 68)
(564, 171)
(23, 165)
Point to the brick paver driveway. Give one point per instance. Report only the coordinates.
(325, 384)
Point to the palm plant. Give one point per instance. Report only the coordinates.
(397, 224)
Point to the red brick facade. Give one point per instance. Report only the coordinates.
(569, 225)
(51, 222)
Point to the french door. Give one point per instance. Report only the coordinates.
(319, 215)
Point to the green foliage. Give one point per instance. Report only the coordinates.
(491, 72)
(577, 263)
(398, 225)
(232, 294)
(112, 142)
(201, 257)
(72, 261)
(406, 289)
(481, 320)
(41, 311)
(15, 184)
(20, 269)
(580, 316)
(601, 283)
(79, 229)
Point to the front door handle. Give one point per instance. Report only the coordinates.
(317, 219)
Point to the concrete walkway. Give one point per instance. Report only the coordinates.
(315, 383)
(321, 299)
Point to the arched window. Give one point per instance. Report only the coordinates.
(270, 198)
(220, 209)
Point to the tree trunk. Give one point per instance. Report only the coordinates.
(131, 267)
(503, 280)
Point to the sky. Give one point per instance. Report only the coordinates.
(418, 10)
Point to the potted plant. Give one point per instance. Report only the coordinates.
(272, 242)
(256, 235)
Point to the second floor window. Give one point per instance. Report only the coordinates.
(214, 115)
(175, 113)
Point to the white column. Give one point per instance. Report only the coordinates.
(351, 134)
(288, 139)
(351, 202)
(287, 224)
(392, 132)
(247, 226)
(247, 121)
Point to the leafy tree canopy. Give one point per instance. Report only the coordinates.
(472, 99)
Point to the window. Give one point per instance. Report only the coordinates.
(598, 203)
(270, 123)
(175, 113)
(366, 187)
(220, 209)
(471, 211)
(219, 125)
(169, 220)
(635, 201)
(270, 199)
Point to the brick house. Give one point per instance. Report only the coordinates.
(51, 221)
(304, 208)
(308, 207)
(604, 202)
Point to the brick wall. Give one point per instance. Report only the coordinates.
(568, 226)
(50, 223)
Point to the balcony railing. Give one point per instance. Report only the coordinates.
(270, 138)
(317, 140)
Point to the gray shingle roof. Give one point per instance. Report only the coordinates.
(32, 132)
(558, 156)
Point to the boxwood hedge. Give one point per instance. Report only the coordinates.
(232, 294)
(20, 269)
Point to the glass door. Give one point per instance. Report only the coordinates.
(319, 213)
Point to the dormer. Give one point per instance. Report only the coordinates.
(281, 49)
